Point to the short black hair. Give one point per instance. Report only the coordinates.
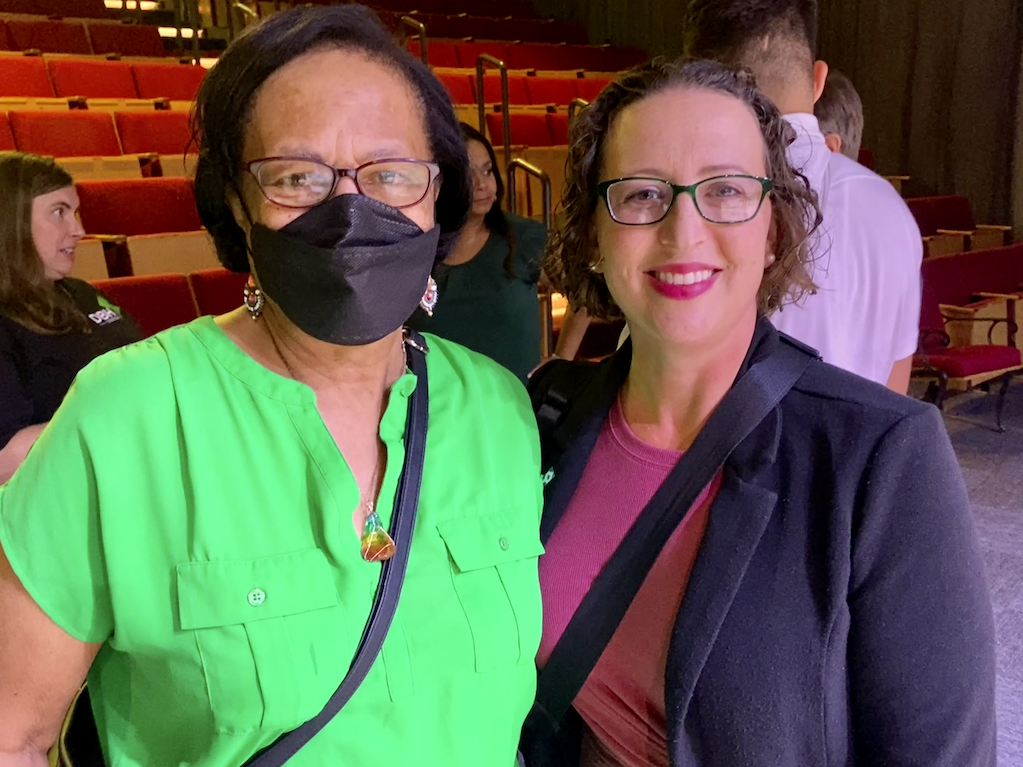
(840, 111)
(227, 94)
(728, 30)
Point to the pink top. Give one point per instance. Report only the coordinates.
(622, 702)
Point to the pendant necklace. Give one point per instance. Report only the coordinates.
(376, 544)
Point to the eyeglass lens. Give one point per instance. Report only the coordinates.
(725, 200)
(299, 183)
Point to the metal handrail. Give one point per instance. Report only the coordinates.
(544, 296)
(481, 62)
(420, 28)
(576, 105)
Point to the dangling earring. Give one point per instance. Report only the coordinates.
(595, 266)
(429, 300)
(253, 298)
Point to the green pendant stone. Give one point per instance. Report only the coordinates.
(377, 545)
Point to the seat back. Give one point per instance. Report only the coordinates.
(618, 58)
(65, 134)
(469, 52)
(923, 212)
(127, 39)
(179, 252)
(582, 57)
(81, 9)
(90, 261)
(529, 128)
(217, 291)
(49, 36)
(155, 302)
(517, 94)
(932, 324)
(557, 123)
(534, 56)
(163, 132)
(92, 78)
(25, 76)
(459, 87)
(866, 158)
(178, 82)
(953, 211)
(550, 90)
(138, 206)
(6, 137)
(589, 88)
(440, 53)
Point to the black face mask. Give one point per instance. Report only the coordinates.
(349, 271)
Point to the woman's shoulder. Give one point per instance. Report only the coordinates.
(847, 392)
(526, 228)
(474, 378)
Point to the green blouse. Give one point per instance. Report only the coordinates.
(482, 308)
(189, 509)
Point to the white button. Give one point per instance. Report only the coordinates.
(257, 597)
(504, 544)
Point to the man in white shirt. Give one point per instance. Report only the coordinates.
(865, 315)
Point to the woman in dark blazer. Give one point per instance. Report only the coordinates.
(823, 600)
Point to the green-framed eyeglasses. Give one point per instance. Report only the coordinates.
(731, 199)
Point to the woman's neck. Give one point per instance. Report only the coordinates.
(471, 239)
(670, 392)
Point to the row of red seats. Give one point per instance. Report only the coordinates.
(596, 58)
(530, 128)
(161, 301)
(101, 38)
(35, 77)
(522, 90)
(81, 133)
(515, 9)
(488, 28)
(954, 214)
(82, 9)
(132, 207)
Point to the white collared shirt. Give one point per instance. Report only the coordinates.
(866, 313)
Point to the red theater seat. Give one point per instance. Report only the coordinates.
(65, 134)
(440, 53)
(92, 78)
(459, 87)
(550, 90)
(81, 9)
(163, 132)
(557, 123)
(517, 94)
(24, 76)
(588, 88)
(4, 44)
(534, 56)
(529, 128)
(217, 291)
(178, 82)
(6, 138)
(469, 52)
(582, 57)
(127, 39)
(49, 36)
(138, 206)
(866, 158)
(619, 58)
(156, 302)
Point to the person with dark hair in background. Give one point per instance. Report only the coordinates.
(202, 526)
(865, 314)
(51, 325)
(487, 284)
(839, 111)
(801, 582)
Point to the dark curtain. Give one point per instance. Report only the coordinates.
(940, 81)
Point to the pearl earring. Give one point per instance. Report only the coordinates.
(770, 259)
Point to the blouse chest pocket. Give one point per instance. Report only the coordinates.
(495, 578)
(271, 636)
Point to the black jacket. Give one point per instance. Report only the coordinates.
(837, 612)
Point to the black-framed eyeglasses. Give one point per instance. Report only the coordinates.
(732, 199)
(296, 182)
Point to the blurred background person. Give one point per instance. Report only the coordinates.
(839, 111)
(51, 325)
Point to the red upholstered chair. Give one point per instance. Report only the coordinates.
(49, 36)
(589, 88)
(550, 90)
(138, 206)
(582, 57)
(127, 39)
(469, 52)
(534, 56)
(76, 133)
(163, 132)
(866, 158)
(440, 53)
(6, 138)
(177, 82)
(5, 44)
(156, 302)
(24, 76)
(953, 214)
(459, 87)
(92, 78)
(617, 58)
(517, 93)
(954, 369)
(217, 291)
(529, 128)
(81, 9)
(557, 123)
(936, 243)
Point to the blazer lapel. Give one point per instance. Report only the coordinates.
(738, 518)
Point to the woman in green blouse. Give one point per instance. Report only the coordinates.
(191, 528)
(487, 285)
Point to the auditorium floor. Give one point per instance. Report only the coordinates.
(993, 466)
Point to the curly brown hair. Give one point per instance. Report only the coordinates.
(571, 249)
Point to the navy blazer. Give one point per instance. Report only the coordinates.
(837, 612)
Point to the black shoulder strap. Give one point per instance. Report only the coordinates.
(748, 402)
(392, 573)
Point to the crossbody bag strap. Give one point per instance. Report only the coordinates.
(392, 573)
(589, 631)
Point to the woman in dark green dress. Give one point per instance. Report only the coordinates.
(487, 284)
